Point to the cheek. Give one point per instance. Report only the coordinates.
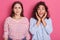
(14, 10)
(17, 10)
(38, 10)
(20, 10)
(43, 11)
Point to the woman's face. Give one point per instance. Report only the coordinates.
(41, 10)
(17, 9)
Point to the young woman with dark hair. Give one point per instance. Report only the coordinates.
(16, 26)
(40, 23)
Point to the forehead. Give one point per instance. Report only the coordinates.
(41, 6)
(17, 5)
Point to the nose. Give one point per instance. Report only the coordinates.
(17, 9)
(40, 11)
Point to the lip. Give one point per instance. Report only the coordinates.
(41, 13)
(17, 12)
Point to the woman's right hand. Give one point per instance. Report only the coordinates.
(39, 20)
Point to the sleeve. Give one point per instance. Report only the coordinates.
(33, 27)
(27, 32)
(48, 27)
(5, 29)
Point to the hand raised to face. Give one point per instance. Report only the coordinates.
(39, 19)
(44, 16)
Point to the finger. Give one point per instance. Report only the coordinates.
(36, 15)
(45, 14)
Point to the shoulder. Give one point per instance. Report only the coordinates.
(48, 20)
(32, 20)
(25, 18)
(8, 18)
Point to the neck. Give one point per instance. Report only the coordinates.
(17, 17)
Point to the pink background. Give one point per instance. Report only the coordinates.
(54, 10)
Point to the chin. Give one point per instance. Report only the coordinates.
(17, 14)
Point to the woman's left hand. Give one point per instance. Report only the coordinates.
(44, 16)
(43, 21)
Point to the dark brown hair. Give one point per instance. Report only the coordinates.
(12, 12)
(37, 6)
